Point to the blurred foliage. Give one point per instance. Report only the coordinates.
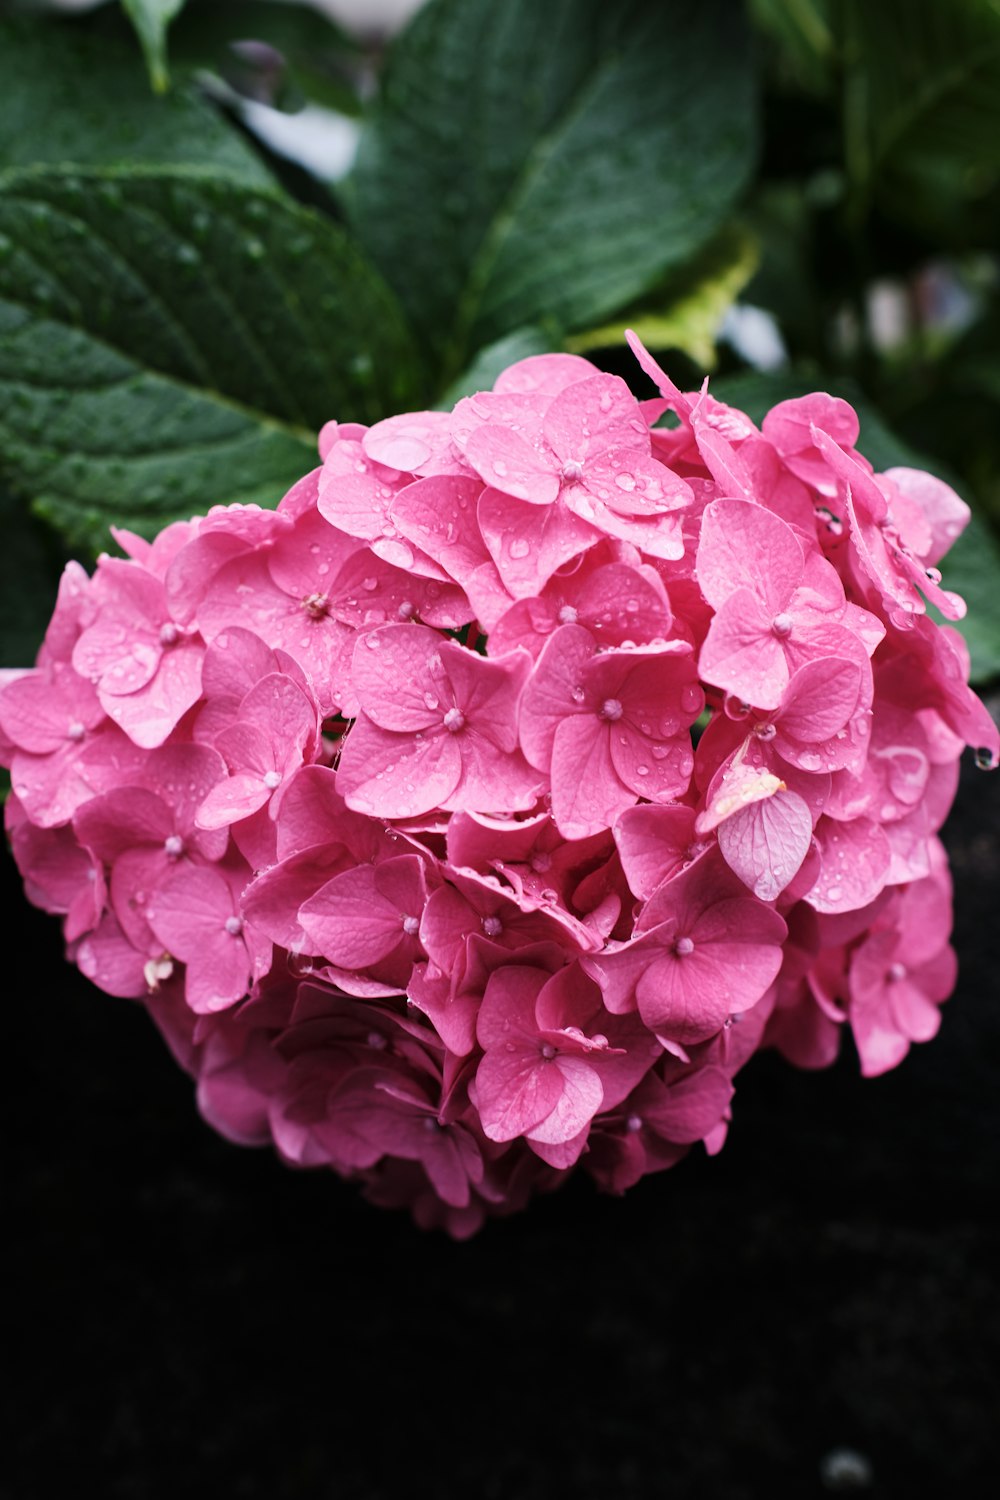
(528, 177)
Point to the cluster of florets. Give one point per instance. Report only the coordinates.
(482, 809)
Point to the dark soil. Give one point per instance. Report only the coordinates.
(816, 1308)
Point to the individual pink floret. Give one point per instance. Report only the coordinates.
(146, 667)
(369, 917)
(276, 732)
(775, 607)
(195, 915)
(546, 1068)
(437, 728)
(609, 727)
(702, 952)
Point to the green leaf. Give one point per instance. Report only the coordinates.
(28, 574)
(529, 162)
(922, 103)
(972, 566)
(687, 311)
(70, 91)
(169, 342)
(489, 362)
(151, 19)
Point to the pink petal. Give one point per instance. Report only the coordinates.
(744, 546)
(391, 775)
(766, 843)
(855, 862)
(517, 1089)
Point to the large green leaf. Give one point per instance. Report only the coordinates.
(534, 161)
(151, 19)
(971, 568)
(74, 91)
(169, 342)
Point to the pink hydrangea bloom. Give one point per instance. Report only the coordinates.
(473, 817)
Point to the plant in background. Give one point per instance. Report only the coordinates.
(483, 806)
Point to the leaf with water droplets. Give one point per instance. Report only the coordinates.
(71, 91)
(530, 161)
(162, 349)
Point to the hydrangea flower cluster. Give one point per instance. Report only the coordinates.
(480, 811)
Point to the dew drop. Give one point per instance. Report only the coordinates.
(519, 546)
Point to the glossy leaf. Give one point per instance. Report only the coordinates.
(71, 91)
(528, 161)
(169, 342)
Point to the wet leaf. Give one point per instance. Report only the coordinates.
(527, 161)
(169, 342)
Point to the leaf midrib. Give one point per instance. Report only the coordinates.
(503, 221)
